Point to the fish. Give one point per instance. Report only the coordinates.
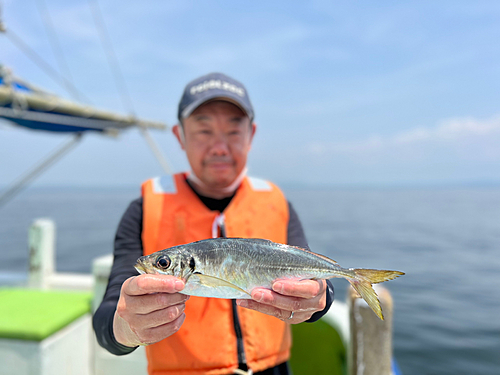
(232, 267)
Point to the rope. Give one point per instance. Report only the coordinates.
(156, 151)
(56, 48)
(111, 56)
(42, 64)
(2, 26)
(120, 80)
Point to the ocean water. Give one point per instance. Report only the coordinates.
(446, 307)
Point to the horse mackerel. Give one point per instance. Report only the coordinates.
(233, 267)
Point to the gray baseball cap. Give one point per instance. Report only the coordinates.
(210, 87)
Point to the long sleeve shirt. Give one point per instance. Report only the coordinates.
(128, 247)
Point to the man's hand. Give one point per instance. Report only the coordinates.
(149, 309)
(290, 300)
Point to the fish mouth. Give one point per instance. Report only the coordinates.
(140, 267)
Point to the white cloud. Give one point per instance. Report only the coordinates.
(452, 135)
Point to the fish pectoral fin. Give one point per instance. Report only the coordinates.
(215, 282)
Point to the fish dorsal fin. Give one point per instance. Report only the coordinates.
(259, 240)
(250, 240)
(269, 242)
(214, 282)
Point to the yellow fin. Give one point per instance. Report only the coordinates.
(377, 276)
(365, 290)
(214, 282)
(363, 281)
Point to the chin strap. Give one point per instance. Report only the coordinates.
(228, 189)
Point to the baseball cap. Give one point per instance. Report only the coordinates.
(210, 87)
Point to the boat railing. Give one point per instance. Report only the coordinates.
(366, 338)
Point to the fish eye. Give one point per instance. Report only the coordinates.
(163, 262)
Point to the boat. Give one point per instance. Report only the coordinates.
(24, 105)
(349, 340)
(45, 322)
(27, 106)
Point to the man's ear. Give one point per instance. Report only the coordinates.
(252, 132)
(179, 134)
(254, 129)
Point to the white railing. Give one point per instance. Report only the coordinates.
(368, 339)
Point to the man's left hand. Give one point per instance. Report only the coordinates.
(292, 301)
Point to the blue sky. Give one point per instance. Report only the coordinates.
(399, 93)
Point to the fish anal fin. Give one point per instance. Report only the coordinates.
(215, 282)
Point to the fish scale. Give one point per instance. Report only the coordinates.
(233, 267)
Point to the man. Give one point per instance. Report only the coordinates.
(206, 335)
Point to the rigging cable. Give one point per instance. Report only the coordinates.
(40, 62)
(2, 26)
(56, 48)
(120, 81)
(111, 56)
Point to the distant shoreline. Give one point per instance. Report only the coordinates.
(288, 186)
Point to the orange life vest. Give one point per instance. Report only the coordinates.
(206, 343)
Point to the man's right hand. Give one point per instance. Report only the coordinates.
(149, 309)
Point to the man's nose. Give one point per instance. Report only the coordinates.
(219, 145)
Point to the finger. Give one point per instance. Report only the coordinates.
(153, 335)
(147, 303)
(147, 284)
(302, 288)
(282, 302)
(158, 318)
(298, 316)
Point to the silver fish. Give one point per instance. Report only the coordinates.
(232, 267)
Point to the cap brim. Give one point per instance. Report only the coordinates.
(192, 107)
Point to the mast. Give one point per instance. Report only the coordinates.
(28, 106)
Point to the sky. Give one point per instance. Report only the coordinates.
(345, 93)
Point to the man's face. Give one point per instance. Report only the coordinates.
(217, 138)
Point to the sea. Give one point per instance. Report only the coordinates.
(446, 240)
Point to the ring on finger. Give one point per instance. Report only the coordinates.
(291, 315)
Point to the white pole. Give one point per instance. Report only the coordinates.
(101, 268)
(42, 242)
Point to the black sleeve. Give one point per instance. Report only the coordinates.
(128, 247)
(296, 237)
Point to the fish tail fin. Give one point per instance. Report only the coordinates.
(363, 281)
(376, 276)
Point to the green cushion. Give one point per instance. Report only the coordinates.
(317, 349)
(29, 314)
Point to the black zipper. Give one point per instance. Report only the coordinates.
(242, 359)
